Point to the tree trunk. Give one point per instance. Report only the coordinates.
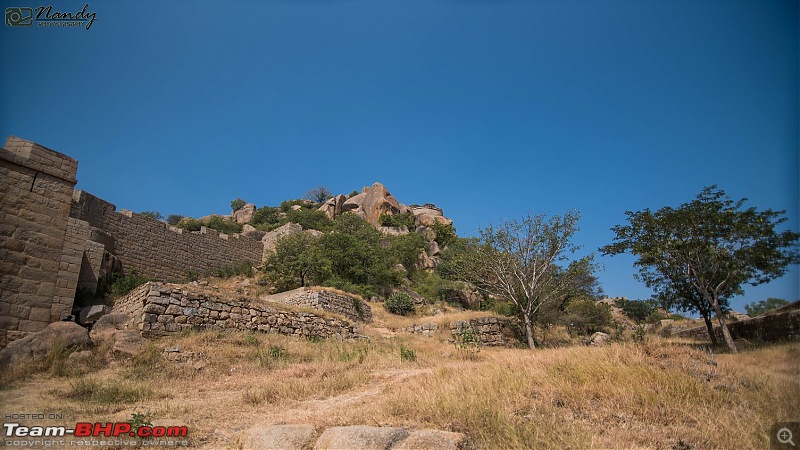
(529, 331)
(726, 333)
(710, 327)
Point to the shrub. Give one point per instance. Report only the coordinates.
(243, 268)
(467, 339)
(585, 316)
(403, 220)
(445, 234)
(152, 214)
(407, 354)
(266, 215)
(173, 219)
(237, 204)
(121, 285)
(399, 303)
(637, 310)
(189, 224)
(223, 226)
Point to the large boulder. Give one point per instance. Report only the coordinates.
(432, 440)
(36, 346)
(429, 214)
(360, 437)
(279, 437)
(333, 206)
(250, 231)
(244, 214)
(116, 330)
(91, 314)
(371, 203)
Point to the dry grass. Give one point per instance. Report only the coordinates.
(659, 395)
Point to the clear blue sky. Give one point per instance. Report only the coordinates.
(485, 108)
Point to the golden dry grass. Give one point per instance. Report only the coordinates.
(658, 395)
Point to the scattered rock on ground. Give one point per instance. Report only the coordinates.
(92, 313)
(36, 346)
(283, 437)
(360, 437)
(432, 440)
(599, 338)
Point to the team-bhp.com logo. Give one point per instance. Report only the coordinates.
(86, 429)
(46, 16)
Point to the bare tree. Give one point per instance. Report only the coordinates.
(520, 261)
(319, 194)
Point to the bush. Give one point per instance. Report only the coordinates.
(407, 354)
(152, 214)
(445, 234)
(223, 226)
(637, 310)
(174, 219)
(243, 268)
(585, 316)
(121, 285)
(404, 220)
(399, 303)
(189, 224)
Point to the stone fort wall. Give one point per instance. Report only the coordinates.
(158, 250)
(38, 266)
(160, 309)
(54, 240)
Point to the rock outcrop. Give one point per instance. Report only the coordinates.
(244, 214)
(372, 202)
(36, 346)
(333, 206)
(429, 214)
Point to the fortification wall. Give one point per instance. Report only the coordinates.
(347, 305)
(779, 325)
(38, 273)
(158, 250)
(161, 309)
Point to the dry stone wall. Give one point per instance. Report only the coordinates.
(158, 250)
(349, 306)
(160, 309)
(783, 325)
(493, 331)
(37, 272)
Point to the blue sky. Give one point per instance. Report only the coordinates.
(486, 108)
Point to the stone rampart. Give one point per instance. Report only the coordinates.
(158, 250)
(316, 298)
(778, 325)
(38, 269)
(159, 309)
(493, 331)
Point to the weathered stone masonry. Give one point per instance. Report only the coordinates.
(347, 305)
(158, 250)
(38, 266)
(54, 240)
(161, 309)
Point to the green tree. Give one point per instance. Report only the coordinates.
(152, 214)
(354, 248)
(712, 243)
(756, 309)
(173, 219)
(237, 204)
(585, 316)
(298, 261)
(518, 261)
(636, 310)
